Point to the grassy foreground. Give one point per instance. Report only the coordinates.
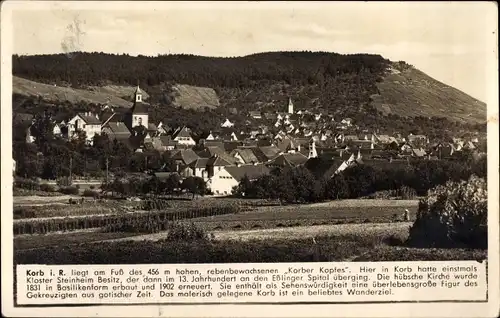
(326, 249)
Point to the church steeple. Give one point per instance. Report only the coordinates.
(138, 113)
(138, 95)
(290, 105)
(312, 149)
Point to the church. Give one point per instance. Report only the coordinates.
(138, 114)
(134, 122)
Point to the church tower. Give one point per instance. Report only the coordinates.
(312, 149)
(290, 105)
(138, 114)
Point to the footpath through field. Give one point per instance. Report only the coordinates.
(381, 229)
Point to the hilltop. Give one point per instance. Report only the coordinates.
(368, 88)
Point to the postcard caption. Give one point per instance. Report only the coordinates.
(262, 283)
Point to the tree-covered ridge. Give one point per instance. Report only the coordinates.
(82, 69)
(341, 85)
(327, 81)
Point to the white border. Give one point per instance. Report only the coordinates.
(490, 309)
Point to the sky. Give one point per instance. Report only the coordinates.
(450, 41)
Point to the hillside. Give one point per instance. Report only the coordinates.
(185, 96)
(406, 90)
(54, 93)
(192, 97)
(374, 91)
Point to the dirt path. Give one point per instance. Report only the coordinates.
(365, 203)
(293, 232)
(35, 200)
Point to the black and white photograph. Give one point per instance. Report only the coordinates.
(250, 135)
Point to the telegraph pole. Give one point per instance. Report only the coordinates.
(107, 171)
(71, 169)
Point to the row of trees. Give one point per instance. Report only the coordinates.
(136, 186)
(298, 184)
(58, 157)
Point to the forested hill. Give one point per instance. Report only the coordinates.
(367, 88)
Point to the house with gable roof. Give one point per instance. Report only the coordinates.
(288, 160)
(183, 137)
(116, 130)
(216, 164)
(228, 177)
(227, 124)
(244, 156)
(87, 122)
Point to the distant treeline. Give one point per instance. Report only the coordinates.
(80, 69)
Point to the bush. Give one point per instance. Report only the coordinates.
(64, 182)
(453, 215)
(90, 193)
(27, 184)
(69, 190)
(406, 193)
(180, 232)
(47, 188)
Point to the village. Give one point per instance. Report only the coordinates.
(322, 154)
(223, 156)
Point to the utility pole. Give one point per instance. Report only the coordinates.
(107, 169)
(71, 169)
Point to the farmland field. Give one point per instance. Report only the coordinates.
(248, 230)
(354, 244)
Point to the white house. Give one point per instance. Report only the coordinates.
(227, 124)
(199, 168)
(87, 122)
(347, 122)
(223, 182)
(255, 114)
(183, 137)
(210, 136)
(56, 131)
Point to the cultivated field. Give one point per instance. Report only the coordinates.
(245, 230)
